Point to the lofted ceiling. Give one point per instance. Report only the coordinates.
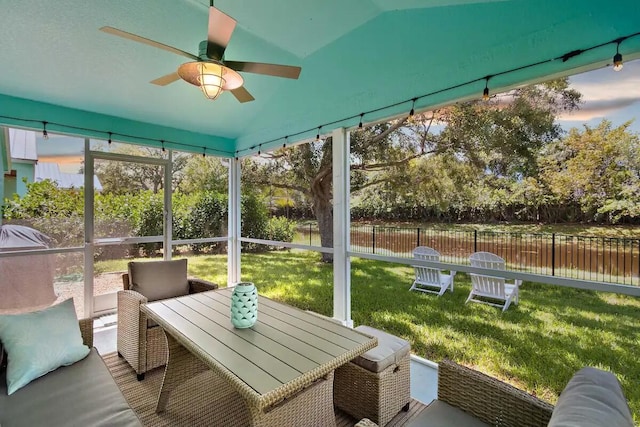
(357, 56)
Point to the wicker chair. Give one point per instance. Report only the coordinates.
(141, 342)
(469, 397)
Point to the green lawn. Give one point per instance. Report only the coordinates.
(536, 346)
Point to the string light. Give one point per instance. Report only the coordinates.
(413, 105)
(360, 124)
(162, 143)
(109, 141)
(318, 135)
(617, 58)
(485, 92)
(45, 134)
(259, 149)
(204, 152)
(286, 139)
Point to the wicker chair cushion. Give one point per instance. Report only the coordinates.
(160, 279)
(592, 398)
(441, 414)
(390, 350)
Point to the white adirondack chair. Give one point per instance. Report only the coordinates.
(428, 279)
(492, 287)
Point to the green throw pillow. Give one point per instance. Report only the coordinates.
(40, 342)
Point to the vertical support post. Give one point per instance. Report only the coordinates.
(234, 222)
(418, 231)
(168, 209)
(88, 229)
(553, 254)
(475, 240)
(310, 225)
(373, 239)
(341, 226)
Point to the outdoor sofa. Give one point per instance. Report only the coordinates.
(468, 398)
(82, 394)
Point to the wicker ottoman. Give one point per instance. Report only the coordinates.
(375, 385)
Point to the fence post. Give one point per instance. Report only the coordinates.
(373, 238)
(309, 234)
(418, 230)
(553, 254)
(475, 240)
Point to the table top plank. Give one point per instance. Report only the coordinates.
(296, 329)
(259, 380)
(316, 354)
(256, 355)
(294, 359)
(325, 323)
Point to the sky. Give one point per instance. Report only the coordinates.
(614, 95)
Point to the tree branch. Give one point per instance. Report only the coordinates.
(375, 166)
(285, 186)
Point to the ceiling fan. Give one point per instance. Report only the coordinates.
(209, 70)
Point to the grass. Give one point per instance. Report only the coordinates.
(536, 346)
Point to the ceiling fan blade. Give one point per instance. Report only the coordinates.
(165, 80)
(286, 71)
(221, 27)
(136, 38)
(242, 94)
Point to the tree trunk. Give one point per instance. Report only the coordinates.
(323, 211)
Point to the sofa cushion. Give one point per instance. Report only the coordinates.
(592, 398)
(83, 394)
(441, 414)
(39, 342)
(390, 350)
(160, 279)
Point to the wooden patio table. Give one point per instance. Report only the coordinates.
(282, 367)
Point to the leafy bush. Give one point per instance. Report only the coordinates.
(281, 229)
(255, 217)
(59, 213)
(207, 218)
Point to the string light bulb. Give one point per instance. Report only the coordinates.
(360, 124)
(204, 152)
(318, 135)
(109, 141)
(45, 134)
(162, 142)
(413, 105)
(485, 92)
(617, 59)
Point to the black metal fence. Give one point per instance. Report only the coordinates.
(605, 259)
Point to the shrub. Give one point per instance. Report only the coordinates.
(281, 229)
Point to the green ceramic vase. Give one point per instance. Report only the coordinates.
(244, 305)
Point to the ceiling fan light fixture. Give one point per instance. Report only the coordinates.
(212, 78)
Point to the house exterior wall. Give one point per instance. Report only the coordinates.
(23, 170)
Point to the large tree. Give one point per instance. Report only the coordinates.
(502, 136)
(597, 168)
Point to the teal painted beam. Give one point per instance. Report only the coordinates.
(29, 114)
